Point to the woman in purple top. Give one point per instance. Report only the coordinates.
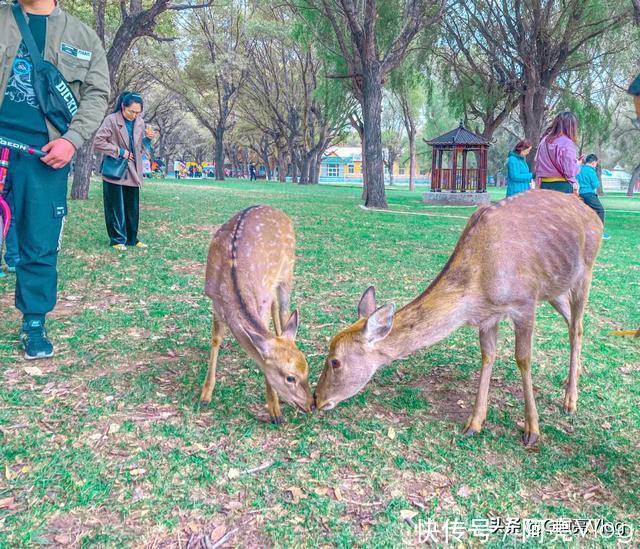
(557, 163)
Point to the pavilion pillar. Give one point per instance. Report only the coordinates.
(435, 176)
(454, 170)
(464, 170)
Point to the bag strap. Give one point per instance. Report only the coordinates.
(27, 35)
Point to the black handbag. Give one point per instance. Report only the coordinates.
(57, 101)
(114, 168)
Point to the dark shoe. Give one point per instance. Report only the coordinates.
(34, 340)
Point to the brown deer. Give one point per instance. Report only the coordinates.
(536, 246)
(249, 278)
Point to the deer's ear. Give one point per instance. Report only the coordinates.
(367, 303)
(260, 342)
(379, 324)
(291, 328)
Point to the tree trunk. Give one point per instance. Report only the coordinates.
(634, 179)
(219, 139)
(82, 172)
(294, 163)
(372, 110)
(412, 158)
(304, 170)
(532, 111)
(282, 165)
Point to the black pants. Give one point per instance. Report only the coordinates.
(39, 206)
(561, 186)
(121, 213)
(592, 200)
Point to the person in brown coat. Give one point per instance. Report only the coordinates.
(121, 136)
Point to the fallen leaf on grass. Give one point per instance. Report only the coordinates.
(137, 472)
(296, 493)
(391, 433)
(233, 473)
(8, 503)
(464, 491)
(337, 494)
(321, 491)
(408, 515)
(114, 428)
(217, 533)
(138, 494)
(62, 539)
(606, 425)
(34, 371)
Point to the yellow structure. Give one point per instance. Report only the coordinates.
(345, 164)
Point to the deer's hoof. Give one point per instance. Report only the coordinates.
(530, 439)
(570, 407)
(204, 403)
(471, 428)
(277, 420)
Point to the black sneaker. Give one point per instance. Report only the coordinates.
(34, 340)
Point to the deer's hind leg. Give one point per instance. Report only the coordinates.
(488, 338)
(524, 336)
(579, 297)
(217, 335)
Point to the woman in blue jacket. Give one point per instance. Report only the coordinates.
(518, 174)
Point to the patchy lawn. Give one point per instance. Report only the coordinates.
(105, 445)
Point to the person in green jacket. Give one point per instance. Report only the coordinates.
(518, 174)
(38, 188)
(589, 183)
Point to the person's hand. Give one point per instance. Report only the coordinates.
(59, 153)
(128, 155)
(149, 132)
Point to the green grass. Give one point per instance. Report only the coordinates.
(107, 446)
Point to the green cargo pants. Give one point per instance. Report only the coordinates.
(39, 207)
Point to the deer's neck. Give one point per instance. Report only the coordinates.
(430, 317)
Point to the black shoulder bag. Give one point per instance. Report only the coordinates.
(57, 101)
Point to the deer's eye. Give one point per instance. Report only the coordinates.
(291, 379)
(335, 363)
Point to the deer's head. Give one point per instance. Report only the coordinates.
(284, 365)
(354, 355)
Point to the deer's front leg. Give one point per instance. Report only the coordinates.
(488, 337)
(273, 405)
(217, 335)
(524, 334)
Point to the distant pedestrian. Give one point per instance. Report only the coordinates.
(121, 136)
(557, 163)
(589, 183)
(252, 172)
(518, 174)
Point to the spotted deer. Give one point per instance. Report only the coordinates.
(537, 246)
(249, 277)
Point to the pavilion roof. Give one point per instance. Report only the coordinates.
(459, 136)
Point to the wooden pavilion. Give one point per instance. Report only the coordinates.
(453, 169)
